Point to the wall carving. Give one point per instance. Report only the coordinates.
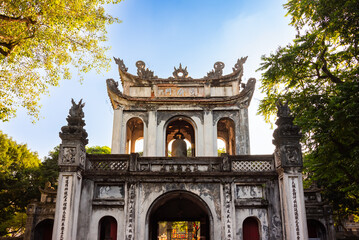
(82, 156)
(276, 227)
(292, 154)
(130, 227)
(249, 191)
(64, 206)
(165, 91)
(228, 214)
(69, 155)
(110, 192)
(295, 206)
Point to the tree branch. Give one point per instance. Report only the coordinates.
(326, 70)
(27, 20)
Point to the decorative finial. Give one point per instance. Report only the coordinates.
(239, 65)
(75, 123)
(144, 72)
(76, 109)
(283, 109)
(120, 64)
(218, 70)
(180, 73)
(286, 128)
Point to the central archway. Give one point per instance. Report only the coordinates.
(179, 208)
(184, 125)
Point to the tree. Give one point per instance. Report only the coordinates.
(18, 184)
(98, 150)
(21, 176)
(49, 168)
(39, 40)
(318, 74)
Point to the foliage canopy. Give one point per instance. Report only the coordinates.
(39, 40)
(18, 179)
(21, 175)
(318, 75)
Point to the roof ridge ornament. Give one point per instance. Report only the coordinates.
(121, 64)
(218, 70)
(238, 67)
(144, 72)
(180, 73)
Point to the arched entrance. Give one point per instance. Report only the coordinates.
(251, 229)
(186, 127)
(134, 132)
(43, 230)
(179, 215)
(108, 228)
(316, 230)
(226, 132)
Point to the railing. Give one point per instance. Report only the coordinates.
(254, 163)
(107, 162)
(119, 163)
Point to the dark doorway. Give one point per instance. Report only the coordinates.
(179, 214)
(43, 230)
(108, 228)
(316, 230)
(250, 229)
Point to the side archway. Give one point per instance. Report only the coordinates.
(134, 132)
(179, 213)
(251, 229)
(107, 228)
(226, 132)
(43, 230)
(316, 230)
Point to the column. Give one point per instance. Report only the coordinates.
(116, 131)
(288, 162)
(151, 134)
(208, 136)
(242, 135)
(72, 160)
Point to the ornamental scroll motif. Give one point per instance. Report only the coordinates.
(276, 227)
(228, 215)
(144, 72)
(218, 70)
(292, 154)
(130, 226)
(121, 64)
(180, 73)
(82, 156)
(69, 155)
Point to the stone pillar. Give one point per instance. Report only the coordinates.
(150, 141)
(208, 134)
(72, 159)
(288, 161)
(242, 135)
(116, 132)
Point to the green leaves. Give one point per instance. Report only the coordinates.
(318, 75)
(18, 171)
(21, 175)
(39, 40)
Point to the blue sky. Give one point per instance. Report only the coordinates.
(163, 34)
